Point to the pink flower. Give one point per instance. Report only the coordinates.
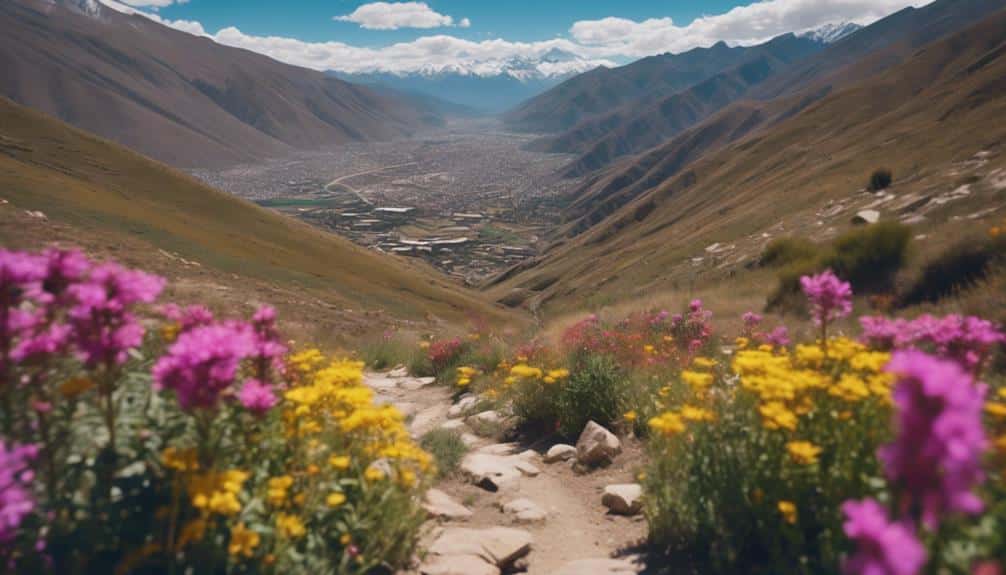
(830, 297)
(937, 453)
(778, 337)
(203, 363)
(882, 547)
(257, 397)
(16, 501)
(188, 317)
(269, 348)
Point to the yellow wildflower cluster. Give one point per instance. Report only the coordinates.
(465, 375)
(279, 490)
(667, 424)
(526, 371)
(216, 492)
(787, 384)
(803, 452)
(243, 541)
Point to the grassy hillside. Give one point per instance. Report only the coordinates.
(119, 203)
(935, 120)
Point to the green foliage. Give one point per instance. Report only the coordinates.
(880, 179)
(782, 252)
(386, 352)
(959, 267)
(446, 447)
(594, 392)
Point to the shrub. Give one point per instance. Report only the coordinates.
(447, 449)
(594, 392)
(446, 354)
(782, 252)
(958, 268)
(534, 394)
(880, 179)
(197, 446)
(387, 351)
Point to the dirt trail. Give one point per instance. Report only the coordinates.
(577, 525)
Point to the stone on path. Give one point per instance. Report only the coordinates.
(597, 445)
(458, 565)
(623, 499)
(463, 406)
(525, 511)
(559, 452)
(498, 546)
(416, 383)
(399, 371)
(427, 419)
(486, 423)
(494, 466)
(598, 567)
(441, 505)
(453, 425)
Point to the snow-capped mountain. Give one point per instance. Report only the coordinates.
(831, 32)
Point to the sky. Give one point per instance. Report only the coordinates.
(488, 36)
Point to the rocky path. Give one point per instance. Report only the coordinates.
(537, 508)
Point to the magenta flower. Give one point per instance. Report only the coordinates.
(188, 317)
(16, 501)
(778, 337)
(105, 328)
(751, 319)
(830, 297)
(63, 268)
(937, 453)
(695, 305)
(966, 340)
(203, 363)
(883, 547)
(257, 397)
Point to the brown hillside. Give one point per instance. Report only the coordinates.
(179, 98)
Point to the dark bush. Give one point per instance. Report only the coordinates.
(784, 251)
(959, 267)
(594, 393)
(870, 257)
(880, 179)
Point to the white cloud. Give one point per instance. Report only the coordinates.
(591, 43)
(155, 4)
(395, 15)
(743, 25)
(465, 23)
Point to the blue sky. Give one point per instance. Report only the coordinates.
(486, 37)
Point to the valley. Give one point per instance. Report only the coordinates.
(467, 198)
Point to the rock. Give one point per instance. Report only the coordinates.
(866, 217)
(597, 567)
(494, 466)
(499, 546)
(486, 423)
(559, 452)
(453, 425)
(458, 565)
(470, 439)
(623, 499)
(427, 419)
(416, 383)
(525, 511)
(597, 445)
(463, 406)
(399, 371)
(440, 505)
(527, 469)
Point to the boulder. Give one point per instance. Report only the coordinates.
(597, 567)
(623, 499)
(440, 505)
(458, 565)
(525, 511)
(559, 452)
(866, 217)
(494, 466)
(453, 425)
(597, 445)
(463, 406)
(499, 546)
(486, 423)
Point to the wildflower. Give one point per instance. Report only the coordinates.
(667, 424)
(75, 387)
(788, 511)
(691, 413)
(648, 349)
(630, 415)
(373, 474)
(345, 539)
(187, 318)
(936, 455)
(803, 452)
(340, 462)
(203, 363)
(703, 363)
(180, 459)
(883, 547)
(558, 374)
(257, 397)
(16, 501)
(830, 297)
(335, 499)
(697, 380)
(243, 541)
(217, 492)
(775, 415)
(278, 490)
(751, 320)
(778, 337)
(742, 342)
(526, 371)
(290, 526)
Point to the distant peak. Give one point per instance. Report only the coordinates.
(831, 32)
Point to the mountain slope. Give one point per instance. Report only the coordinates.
(935, 119)
(178, 98)
(598, 91)
(98, 194)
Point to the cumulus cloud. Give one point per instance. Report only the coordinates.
(744, 25)
(395, 15)
(152, 3)
(591, 43)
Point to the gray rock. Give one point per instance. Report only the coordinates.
(866, 217)
(525, 511)
(440, 505)
(597, 445)
(598, 567)
(500, 546)
(464, 405)
(486, 423)
(399, 371)
(623, 499)
(458, 565)
(416, 383)
(494, 466)
(559, 452)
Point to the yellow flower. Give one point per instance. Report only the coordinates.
(1002, 393)
(667, 424)
(996, 409)
(464, 381)
(648, 349)
(407, 478)
(74, 387)
(466, 371)
(742, 342)
(278, 490)
(630, 415)
(691, 413)
(776, 415)
(788, 511)
(290, 526)
(170, 332)
(424, 345)
(340, 462)
(345, 539)
(373, 474)
(561, 373)
(850, 388)
(526, 371)
(803, 452)
(697, 380)
(335, 499)
(243, 541)
(703, 363)
(180, 459)
(217, 492)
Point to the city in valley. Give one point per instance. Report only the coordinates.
(467, 198)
